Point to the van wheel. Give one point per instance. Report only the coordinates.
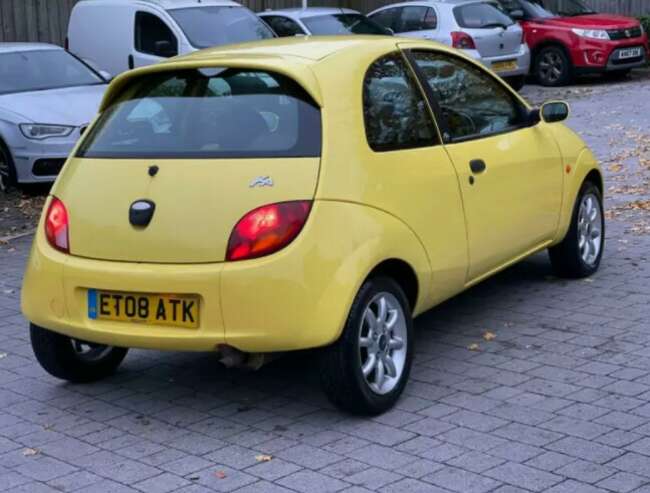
(553, 67)
(74, 360)
(366, 370)
(580, 252)
(7, 170)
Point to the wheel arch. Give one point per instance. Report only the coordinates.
(403, 274)
(549, 43)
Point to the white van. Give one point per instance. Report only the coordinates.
(118, 35)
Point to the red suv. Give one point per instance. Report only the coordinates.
(574, 40)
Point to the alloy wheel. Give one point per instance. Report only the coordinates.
(383, 343)
(551, 67)
(89, 352)
(590, 231)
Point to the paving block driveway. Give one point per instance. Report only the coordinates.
(559, 401)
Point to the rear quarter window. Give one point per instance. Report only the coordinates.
(208, 113)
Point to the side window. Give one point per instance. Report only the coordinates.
(473, 103)
(283, 26)
(394, 110)
(417, 18)
(387, 18)
(153, 36)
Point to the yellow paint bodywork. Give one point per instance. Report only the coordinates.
(414, 205)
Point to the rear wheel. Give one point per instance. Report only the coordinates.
(7, 169)
(72, 359)
(366, 370)
(553, 67)
(579, 254)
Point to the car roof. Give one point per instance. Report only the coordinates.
(165, 4)
(438, 3)
(308, 12)
(14, 47)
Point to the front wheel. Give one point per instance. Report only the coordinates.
(366, 370)
(580, 252)
(553, 67)
(74, 360)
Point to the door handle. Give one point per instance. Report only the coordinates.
(477, 166)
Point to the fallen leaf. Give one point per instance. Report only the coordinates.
(263, 458)
(489, 336)
(220, 474)
(30, 452)
(8, 291)
(474, 347)
(3, 355)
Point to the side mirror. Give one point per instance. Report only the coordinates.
(106, 75)
(554, 111)
(165, 49)
(517, 14)
(533, 117)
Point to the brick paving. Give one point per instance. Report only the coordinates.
(558, 402)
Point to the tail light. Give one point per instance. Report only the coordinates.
(56, 226)
(462, 41)
(267, 229)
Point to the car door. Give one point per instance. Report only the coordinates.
(153, 40)
(510, 172)
(410, 174)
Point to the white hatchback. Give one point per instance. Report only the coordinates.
(475, 26)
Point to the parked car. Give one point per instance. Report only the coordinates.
(320, 21)
(576, 40)
(47, 97)
(119, 35)
(476, 27)
(301, 196)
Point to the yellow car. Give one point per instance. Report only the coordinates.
(300, 193)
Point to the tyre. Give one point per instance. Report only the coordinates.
(553, 67)
(366, 370)
(7, 170)
(74, 360)
(517, 82)
(580, 252)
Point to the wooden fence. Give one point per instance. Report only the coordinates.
(47, 20)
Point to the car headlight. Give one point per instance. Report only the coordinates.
(591, 33)
(37, 131)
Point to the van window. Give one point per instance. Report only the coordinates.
(208, 113)
(220, 25)
(153, 36)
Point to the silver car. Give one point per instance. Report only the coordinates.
(47, 97)
(319, 21)
(477, 27)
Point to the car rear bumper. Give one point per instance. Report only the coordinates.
(297, 298)
(522, 58)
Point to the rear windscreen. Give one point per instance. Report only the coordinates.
(207, 113)
(481, 16)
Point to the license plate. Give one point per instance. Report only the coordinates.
(154, 309)
(629, 53)
(504, 66)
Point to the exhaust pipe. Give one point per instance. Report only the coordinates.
(232, 357)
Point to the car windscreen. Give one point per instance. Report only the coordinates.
(531, 9)
(207, 113)
(334, 24)
(220, 25)
(568, 8)
(38, 70)
(481, 16)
